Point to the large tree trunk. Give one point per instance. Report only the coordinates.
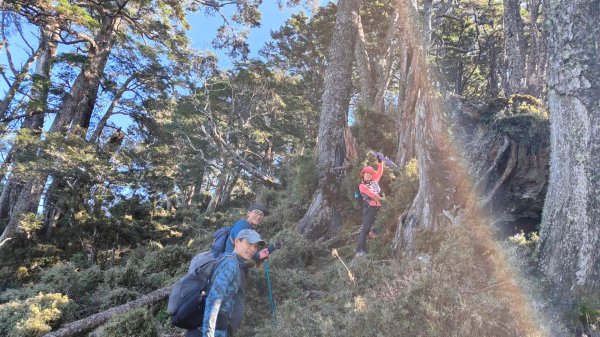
(375, 71)
(536, 62)
(323, 218)
(570, 235)
(76, 110)
(218, 194)
(10, 199)
(514, 49)
(406, 103)
(364, 68)
(495, 52)
(78, 106)
(424, 134)
(228, 190)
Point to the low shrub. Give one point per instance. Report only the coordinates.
(135, 323)
(31, 317)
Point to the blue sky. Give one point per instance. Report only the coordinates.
(204, 28)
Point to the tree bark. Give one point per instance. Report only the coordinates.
(536, 63)
(495, 54)
(228, 190)
(375, 71)
(78, 106)
(406, 103)
(514, 49)
(570, 234)
(425, 135)
(11, 199)
(364, 68)
(86, 324)
(217, 195)
(76, 109)
(323, 218)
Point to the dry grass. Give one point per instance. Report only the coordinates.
(461, 290)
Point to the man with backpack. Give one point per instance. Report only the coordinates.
(255, 215)
(226, 283)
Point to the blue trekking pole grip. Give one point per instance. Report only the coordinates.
(270, 290)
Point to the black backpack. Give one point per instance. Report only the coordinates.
(188, 297)
(220, 237)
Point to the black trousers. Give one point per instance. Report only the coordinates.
(368, 218)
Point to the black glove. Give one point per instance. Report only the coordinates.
(273, 246)
(379, 160)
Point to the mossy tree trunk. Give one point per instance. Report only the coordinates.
(323, 218)
(570, 234)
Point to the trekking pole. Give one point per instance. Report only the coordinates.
(270, 290)
(385, 159)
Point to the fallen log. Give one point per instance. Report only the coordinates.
(94, 321)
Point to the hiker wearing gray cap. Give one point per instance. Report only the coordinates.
(226, 288)
(255, 215)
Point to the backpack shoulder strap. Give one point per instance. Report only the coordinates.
(364, 196)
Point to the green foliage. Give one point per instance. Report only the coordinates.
(525, 104)
(169, 260)
(23, 252)
(436, 294)
(76, 13)
(465, 47)
(375, 131)
(300, 178)
(523, 118)
(522, 239)
(296, 252)
(29, 224)
(32, 317)
(403, 188)
(587, 311)
(135, 323)
(78, 284)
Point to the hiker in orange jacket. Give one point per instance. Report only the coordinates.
(371, 193)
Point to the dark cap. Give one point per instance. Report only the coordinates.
(251, 236)
(258, 207)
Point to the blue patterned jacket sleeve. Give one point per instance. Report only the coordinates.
(221, 296)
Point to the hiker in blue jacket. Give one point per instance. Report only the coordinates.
(225, 284)
(255, 215)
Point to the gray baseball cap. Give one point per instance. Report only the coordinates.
(251, 236)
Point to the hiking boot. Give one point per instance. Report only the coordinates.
(360, 253)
